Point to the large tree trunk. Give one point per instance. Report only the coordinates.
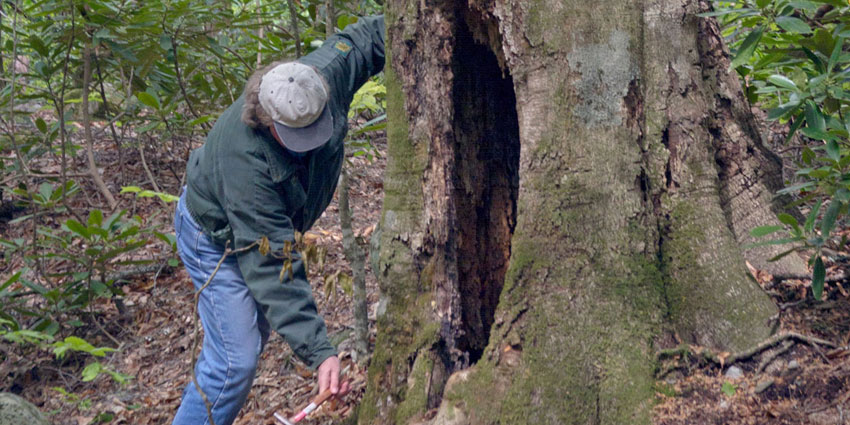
(568, 187)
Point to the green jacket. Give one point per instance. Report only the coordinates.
(242, 185)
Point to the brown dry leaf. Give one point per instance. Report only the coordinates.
(366, 232)
(722, 357)
(83, 420)
(264, 246)
(841, 289)
(753, 271)
(303, 371)
(310, 238)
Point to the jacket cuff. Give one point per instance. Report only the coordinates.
(320, 356)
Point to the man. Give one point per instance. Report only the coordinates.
(269, 168)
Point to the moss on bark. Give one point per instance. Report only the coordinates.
(622, 233)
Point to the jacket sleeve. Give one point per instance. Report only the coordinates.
(366, 58)
(256, 209)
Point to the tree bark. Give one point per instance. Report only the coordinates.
(293, 26)
(567, 190)
(2, 67)
(356, 258)
(330, 18)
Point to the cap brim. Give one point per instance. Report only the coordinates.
(307, 138)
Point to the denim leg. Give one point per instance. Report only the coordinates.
(235, 330)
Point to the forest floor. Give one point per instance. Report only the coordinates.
(802, 384)
(790, 382)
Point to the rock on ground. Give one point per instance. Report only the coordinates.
(734, 372)
(15, 410)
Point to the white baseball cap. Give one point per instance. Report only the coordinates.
(295, 97)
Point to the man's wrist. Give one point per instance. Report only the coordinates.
(321, 356)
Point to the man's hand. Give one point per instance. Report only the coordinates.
(329, 377)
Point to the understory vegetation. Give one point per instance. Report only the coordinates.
(93, 95)
(794, 62)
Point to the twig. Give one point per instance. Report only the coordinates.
(99, 132)
(259, 37)
(180, 80)
(60, 112)
(18, 154)
(786, 306)
(43, 176)
(124, 275)
(236, 55)
(23, 84)
(330, 14)
(148, 172)
(803, 276)
(91, 307)
(195, 336)
(105, 332)
(111, 125)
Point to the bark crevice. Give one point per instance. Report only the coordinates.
(486, 179)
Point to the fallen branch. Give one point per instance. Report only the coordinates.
(804, 276)
(138, 271)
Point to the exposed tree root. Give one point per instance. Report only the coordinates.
(725, 358)
(769, 358)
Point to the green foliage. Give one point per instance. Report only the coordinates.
(728, 389)
(793, 58)
(61, 349)
(142, 193)
(372, 97)
(74, 265)
(369, 101)
(78, 344)
(82, 403)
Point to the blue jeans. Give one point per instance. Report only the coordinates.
(235, 329)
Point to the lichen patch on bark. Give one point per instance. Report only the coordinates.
(604, 74)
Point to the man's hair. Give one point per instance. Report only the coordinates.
(253, 114)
